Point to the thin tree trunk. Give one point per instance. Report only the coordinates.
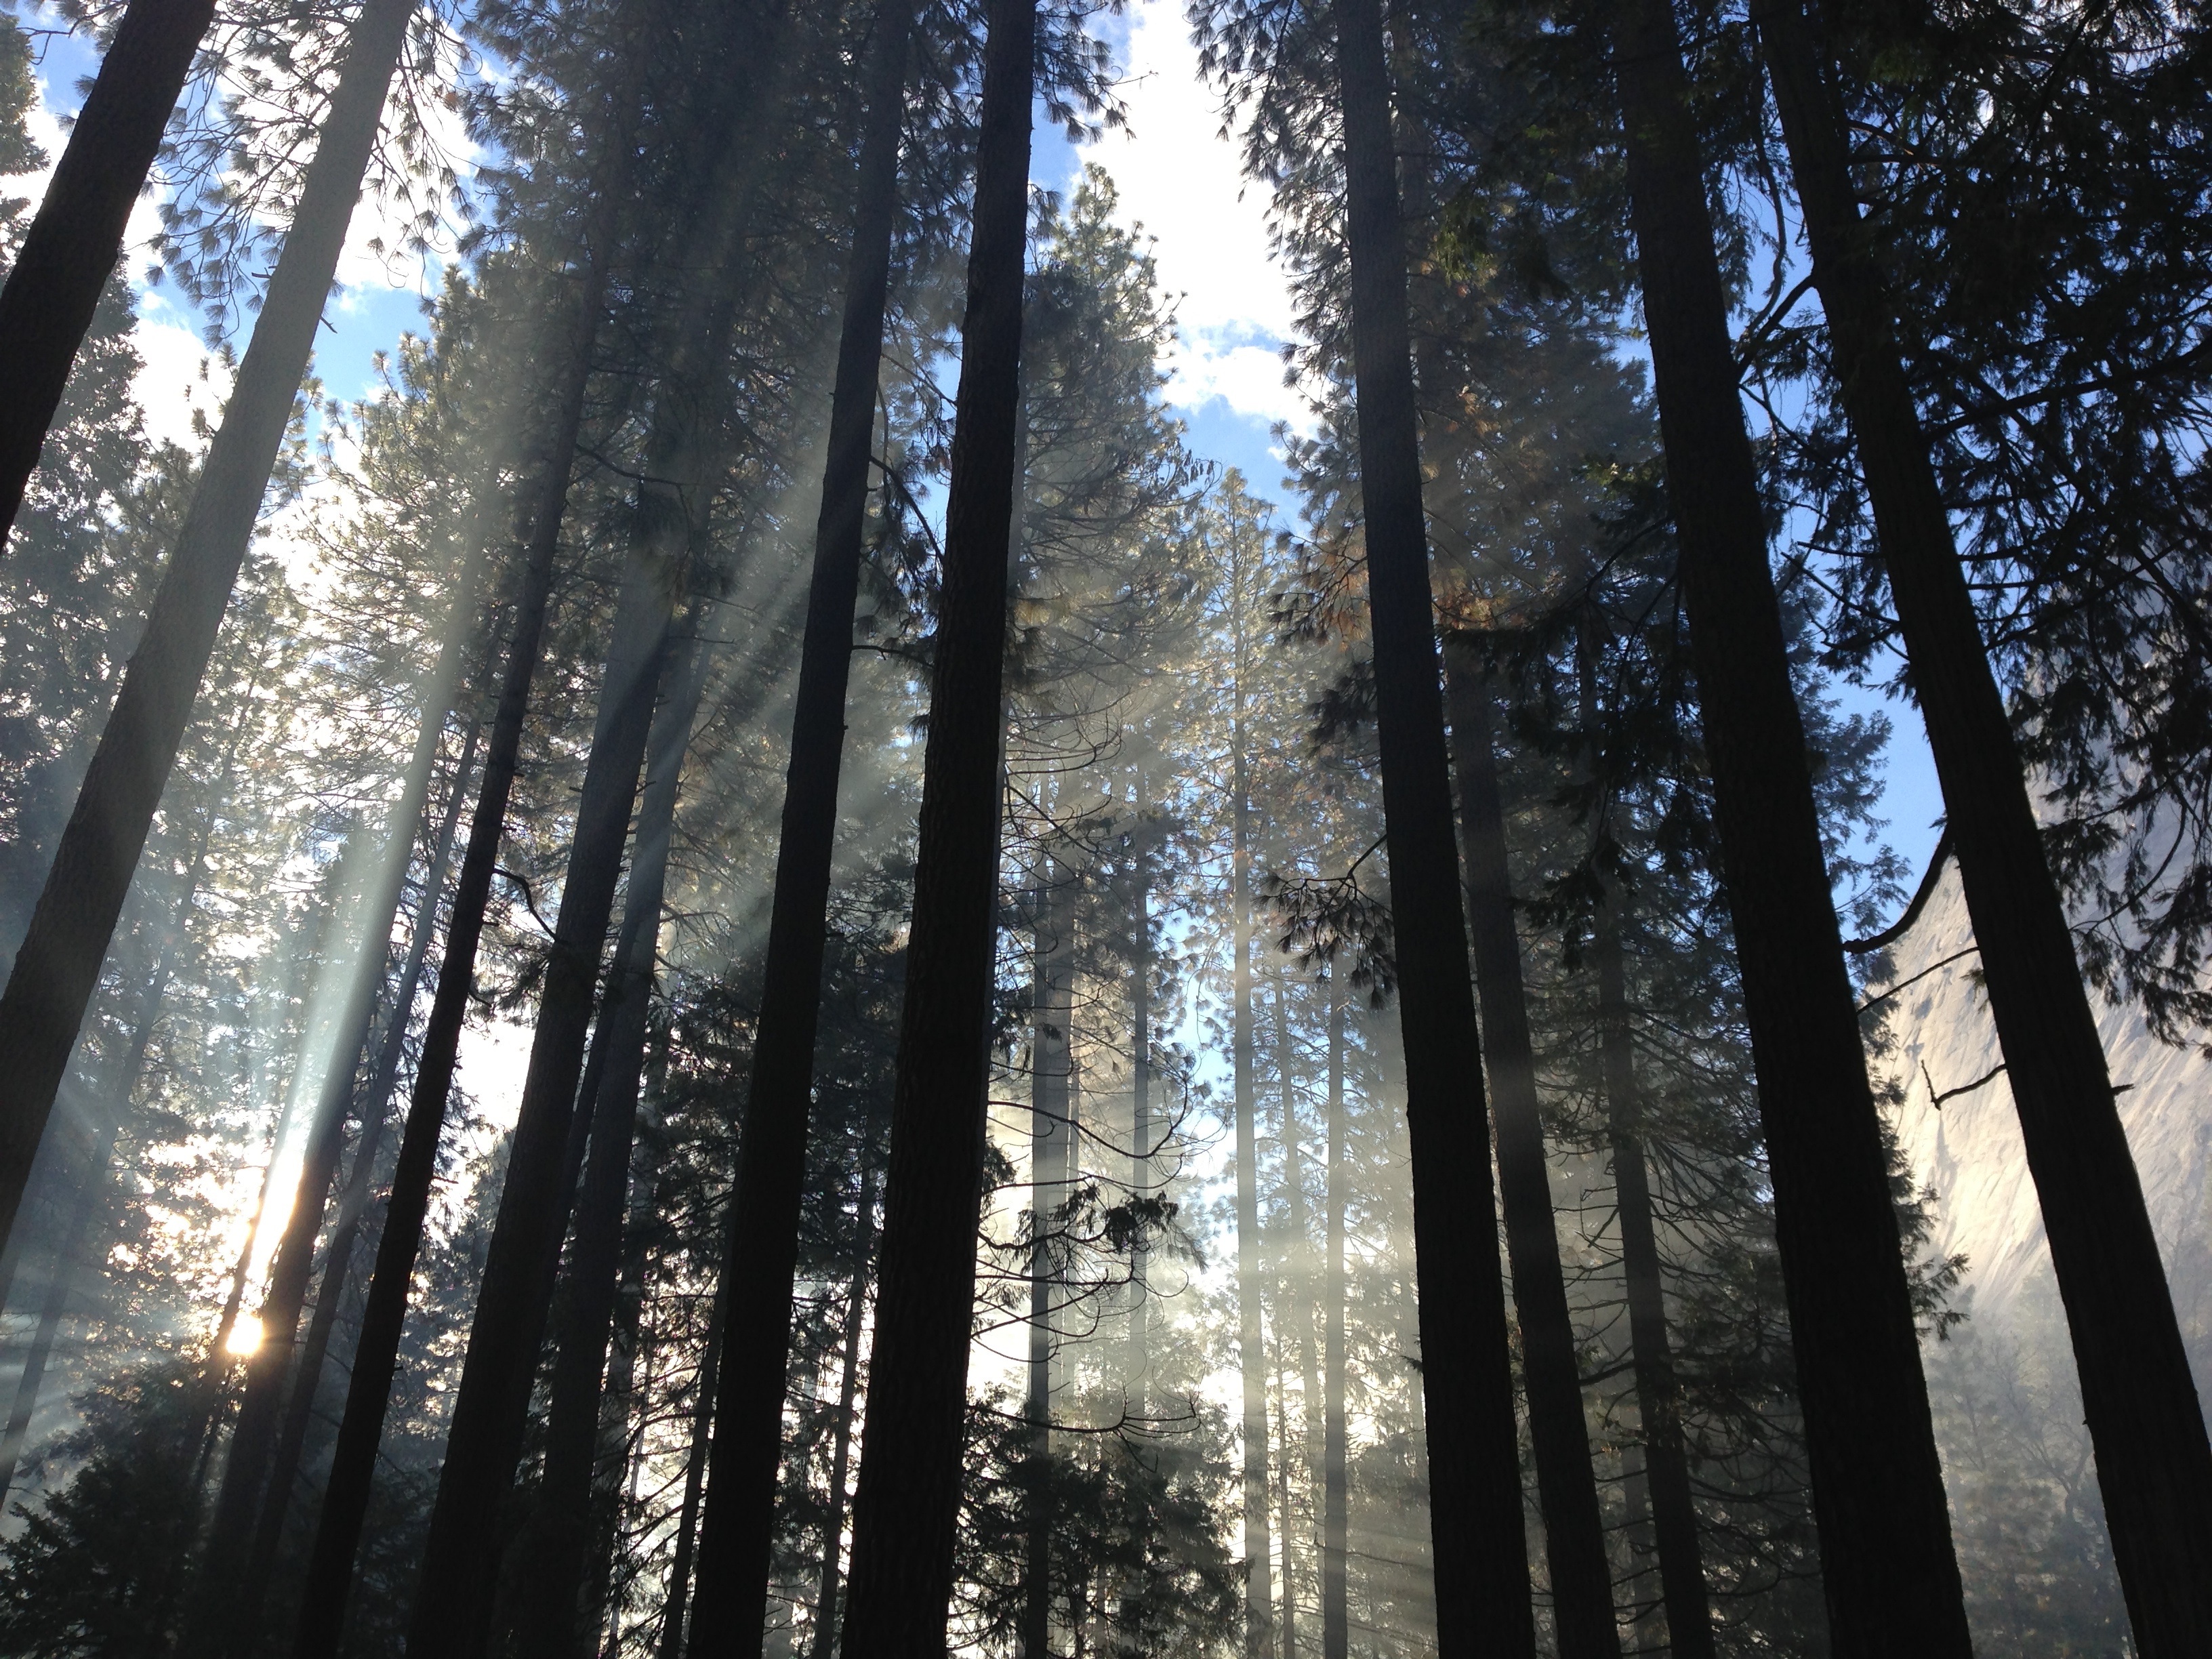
(1251, 1350)
(548, 1623)
(353, 1209)
(71, 248)
(1139, 1364)
(1566, 1484)
(1297, 1286)
(905, 1509)
(1052, 1059)
(1658, 1394)
(673, 1630)
(229, 1599)
(57, 966)
(616, 1393)
(2138, 1398)
(736, 1538)
(1480, 1546)
(841, 1460)
(1290, 1619)
(345, 1496)
(1891, 1577)
(1335, 1615)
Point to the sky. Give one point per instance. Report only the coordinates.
(1179, 182)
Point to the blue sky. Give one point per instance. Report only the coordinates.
(1178, 179)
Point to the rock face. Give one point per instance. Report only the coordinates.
(2008, 1409)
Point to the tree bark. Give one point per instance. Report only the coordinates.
(673, 1628)
(736, 1537)
(345, 1496)
(1138, 1371)
(1297, 1291)
(1481, 1551)
(908, 1501)
(228, 1608)
(453, 1602)
(823, 1635)
(1335, 1614)
(77, 236)
(353, 1209)
(1051, 1065)
(1658, 1394)
(1566, 1484)
(1251, 1341)
(547, 1624)
(1891, 1577)
(57, 966)
(86, 1218)
(2139, 1400)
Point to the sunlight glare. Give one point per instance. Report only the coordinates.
(244, 1336)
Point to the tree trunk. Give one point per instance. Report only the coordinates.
(1335, 1615)
(57, 966)
(1481, 1551)
(673, 1630)
(616, 1393)
(824, 1634)
(345, 1496)
(736, 1539)
(1251, 1341)
(908, 1502)
(1296, 1290)
(70, 249)
(1891, 1577)
(1658, 1394)
(353, 1208)
(229, 1601)
(88, 1213)
(1566, 1484)
(1052, 1063)
(548, 1622)
(460, 1559)
(1137, 1376)
(2154, 1461)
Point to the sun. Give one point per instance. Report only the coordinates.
(244, 1336)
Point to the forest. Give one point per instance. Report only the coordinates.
(727, 933)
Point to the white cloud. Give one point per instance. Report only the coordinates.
(1180, 179)
(180, 375)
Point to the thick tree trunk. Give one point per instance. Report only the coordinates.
(1052, 1070)
(548, 1621)
(1658, 1394)
(1566, 1484)
(230, 1600)
(2154, 1461)
(736, 1538)
(908, 1502)
(1891, 1577)
(74, 240)
(823, 1637)
(57, 965)
(1481, 1551)
(1251, 1341)
(353, 1208)
(89, 1215)
(1335, 1614)
(376, 1354)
